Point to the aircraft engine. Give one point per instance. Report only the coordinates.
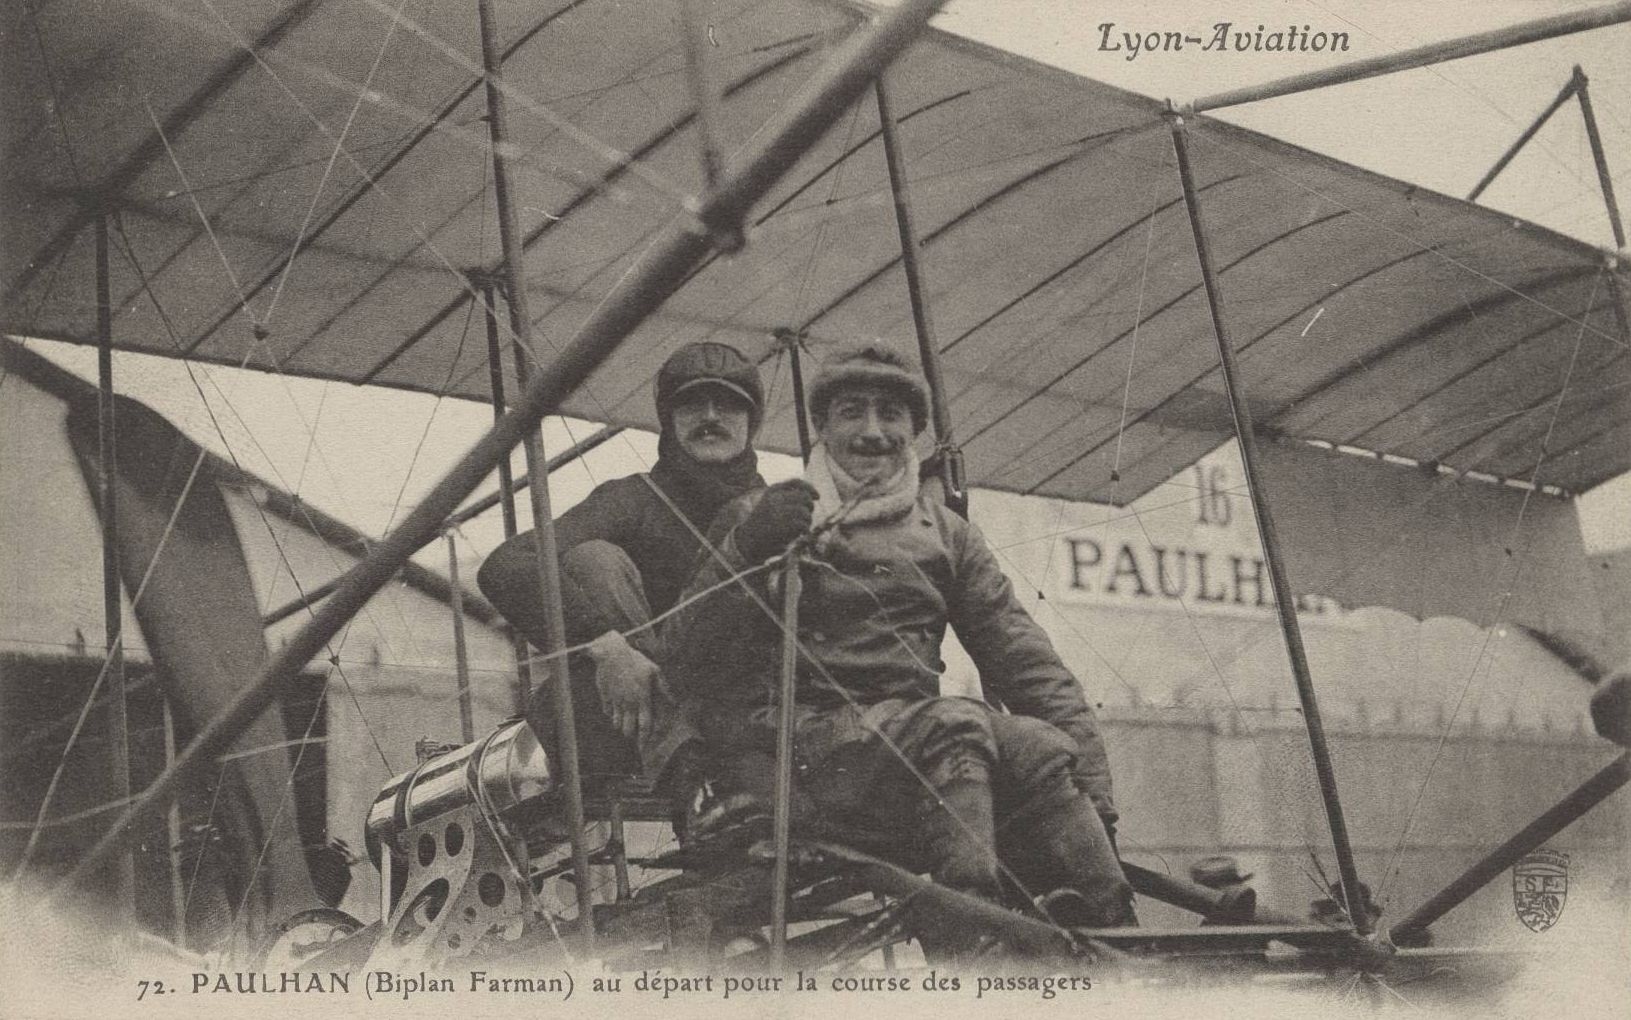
(502, 771)
(451, 841)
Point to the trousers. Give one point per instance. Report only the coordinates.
(897, 767)
(601, 590)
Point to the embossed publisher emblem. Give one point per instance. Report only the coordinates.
(1540, 884)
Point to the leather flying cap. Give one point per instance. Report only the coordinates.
(871, 364)
(709, 364)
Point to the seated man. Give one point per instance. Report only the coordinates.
(875, 743)
(629, 547)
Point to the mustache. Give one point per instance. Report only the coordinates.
(709, 430)
(873, 447)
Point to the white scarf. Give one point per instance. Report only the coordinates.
(883, 501)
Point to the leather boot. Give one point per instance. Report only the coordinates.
(1065, 847)
(957, 837)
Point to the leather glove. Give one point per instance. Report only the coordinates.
(782, 514)
(624, 679)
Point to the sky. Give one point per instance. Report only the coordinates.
(366, 454)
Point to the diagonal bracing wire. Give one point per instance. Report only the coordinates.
(466, 285)
(113, 653)
(609, 154)
(220, 433)
(334, 658)
(1443, 256)
(260, 324)
(328, 168)
(1516, 568)
(170, 524)
(334, 649)
(257, 322)
(1480, 96)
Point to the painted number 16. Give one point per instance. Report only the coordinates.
(1213, 505)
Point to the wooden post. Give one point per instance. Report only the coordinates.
(950, 457)
(461, 650)
(1285, 603)
(782, 821)
(1604, 179)
(618, 846)
(115, 714)
(704, 95)
(792, 343)
(543, 520)
(673, 254)
(172, 836)
(505, 497)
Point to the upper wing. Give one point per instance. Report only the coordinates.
(306, 187)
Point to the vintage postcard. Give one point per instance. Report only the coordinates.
(779, 507)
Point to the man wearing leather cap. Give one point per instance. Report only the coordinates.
(628, 548)
(992, 797)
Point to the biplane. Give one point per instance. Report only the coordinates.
(336, 191)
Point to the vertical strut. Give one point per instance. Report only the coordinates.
(1603, 178)
(506, 484)
(795, 361)
(117, 720)
(172, 840)
(671, 257)
(1284, 602)
(618, 846)
(793, 343)
(461, 650)
(704, 95)
(1606, 182)
(783, 819)
(950, 458)
(538, 474)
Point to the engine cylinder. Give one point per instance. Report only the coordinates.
(503, 770)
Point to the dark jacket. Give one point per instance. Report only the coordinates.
(657, 518)
(871, 620)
